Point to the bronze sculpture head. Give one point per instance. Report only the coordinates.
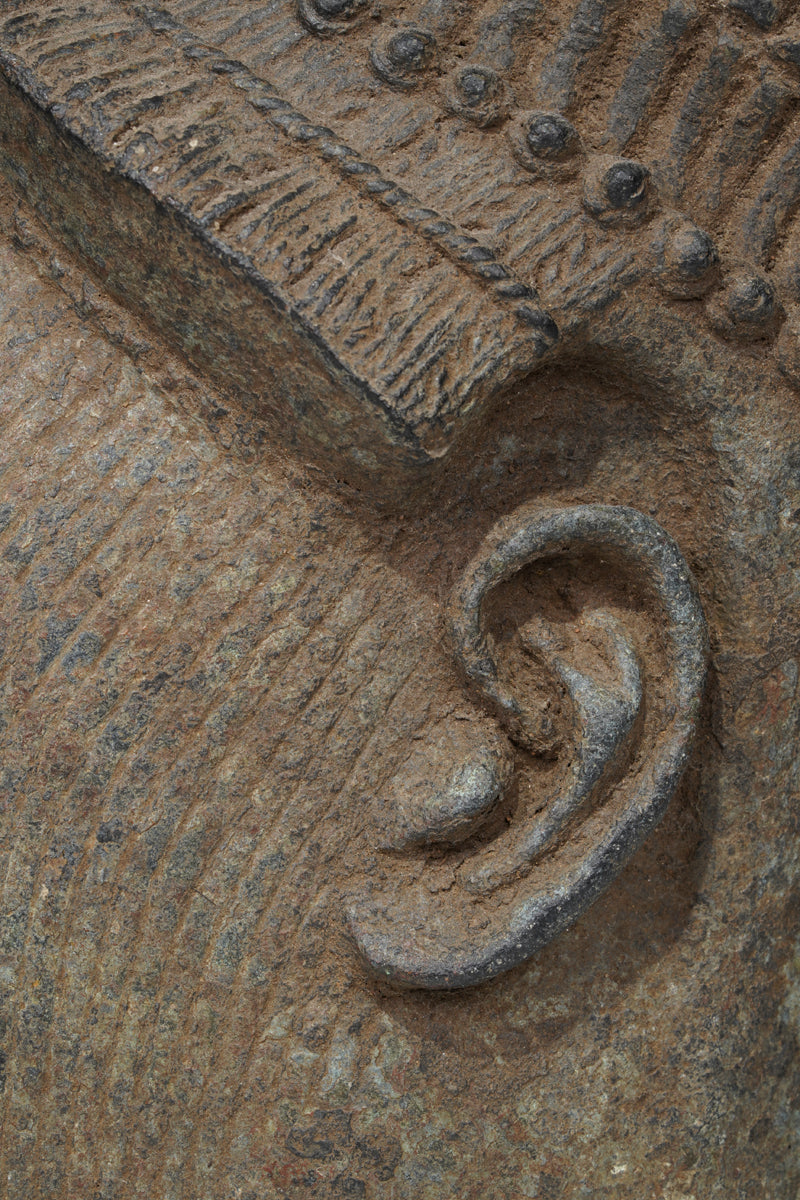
(399, 567)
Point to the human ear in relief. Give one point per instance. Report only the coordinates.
(581, 631)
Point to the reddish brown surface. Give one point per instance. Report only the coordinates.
(213, 668)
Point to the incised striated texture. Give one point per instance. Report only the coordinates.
(399, 575)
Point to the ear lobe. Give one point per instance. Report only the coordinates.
(632, 721)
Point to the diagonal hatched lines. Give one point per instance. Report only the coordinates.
(198, 809)
(245, 649)
(101, 952)
(263, 907)
(314, 904)
(151, 129)
(685, 75)
(316, 673)
(90, 903)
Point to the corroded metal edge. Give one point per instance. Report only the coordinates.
(226, 318)
(317, 393)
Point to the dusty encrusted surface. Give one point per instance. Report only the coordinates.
(300, 193)
(268, 237)
(215, 670)
(209, 672)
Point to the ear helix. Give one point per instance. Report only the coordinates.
(519, 888)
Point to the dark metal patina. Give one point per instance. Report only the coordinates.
(391, 395)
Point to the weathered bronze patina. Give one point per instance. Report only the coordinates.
(399, 577)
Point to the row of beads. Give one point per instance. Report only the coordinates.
(616, 191)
